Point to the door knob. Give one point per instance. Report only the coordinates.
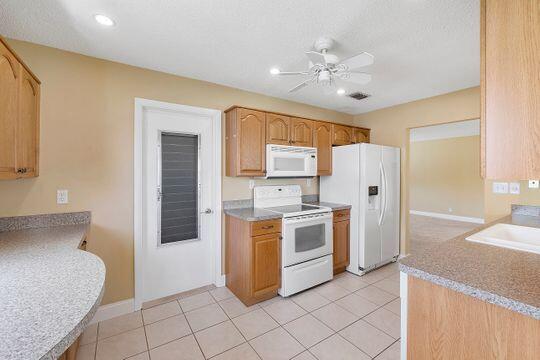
(207, 211)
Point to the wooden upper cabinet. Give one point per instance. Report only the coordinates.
(9, 90)
(361, 135)
(28, 129)
(245, 142)
(19, 117)
(301, 132)
(510, 89)
(342, 135)
(278, 129)
(322, 140)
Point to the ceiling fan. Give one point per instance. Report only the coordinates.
(326, 69)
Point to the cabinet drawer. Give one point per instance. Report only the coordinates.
(265, 227)
(341, 215)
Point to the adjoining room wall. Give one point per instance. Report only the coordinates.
(445, 177)
(87, 110)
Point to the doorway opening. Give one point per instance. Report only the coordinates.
(446, 190)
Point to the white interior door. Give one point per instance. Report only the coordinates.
(178, 219)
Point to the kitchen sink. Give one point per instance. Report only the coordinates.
(515, 237)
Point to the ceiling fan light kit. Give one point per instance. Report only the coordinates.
(325, 68)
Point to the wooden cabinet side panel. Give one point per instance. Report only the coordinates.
(512, 89)
(483, 88)
(278, 129)
(28, 126)
(266, 255)
(445, 324)
(238, 257)
(322, 140)
(9, 85)
(301, 132)
(231, 147)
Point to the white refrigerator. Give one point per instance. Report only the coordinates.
(367, 177)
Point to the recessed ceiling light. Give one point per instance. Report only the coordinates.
(340, 91)
(104, 20)
(274, 71)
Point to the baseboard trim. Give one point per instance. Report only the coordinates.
(220, 281)
(109, 311)
(448, 217)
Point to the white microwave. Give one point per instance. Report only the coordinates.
(290, 161)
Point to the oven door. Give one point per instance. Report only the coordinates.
(306, 237)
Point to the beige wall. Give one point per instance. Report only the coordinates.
(87, 145)
(445, 174)
(390, 126)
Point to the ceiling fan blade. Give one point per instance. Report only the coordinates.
(362, 59)
(293, 73)
(359, 78)
(301, 85)
(316, 58)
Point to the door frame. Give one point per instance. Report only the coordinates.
(140, 106)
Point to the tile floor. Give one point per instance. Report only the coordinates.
(349, 317)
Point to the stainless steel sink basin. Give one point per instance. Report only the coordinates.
(509, 236)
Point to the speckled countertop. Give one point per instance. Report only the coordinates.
(500, 276)
(50, 290)
(254, 214)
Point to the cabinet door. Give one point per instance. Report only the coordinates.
(9, 83)
(28, 126)
(511, 89)
(322, 140)
(361, 135)
(251, 142)
(341, 135)
(278, 129)
(301, 132)
(341, 245)
(266, 266)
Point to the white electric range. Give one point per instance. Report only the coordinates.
(307, 243)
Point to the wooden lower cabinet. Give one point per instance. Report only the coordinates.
(342, 231)
(253, 258)
(445, 324)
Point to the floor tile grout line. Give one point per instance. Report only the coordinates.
(195, 337)
(362, 351)
(386, 348)
(318, 342)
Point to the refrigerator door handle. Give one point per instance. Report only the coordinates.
(383, 193)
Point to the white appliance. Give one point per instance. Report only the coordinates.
(307, 243)
(290, 161)
(367, 177)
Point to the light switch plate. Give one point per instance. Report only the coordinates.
(500, 187)
(533, 184)
(514, 188)
(62, 197)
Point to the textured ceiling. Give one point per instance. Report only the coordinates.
(422, 48)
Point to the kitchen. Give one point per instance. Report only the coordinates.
(93, 155)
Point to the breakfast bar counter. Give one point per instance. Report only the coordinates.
(50, 288)
(497, 275)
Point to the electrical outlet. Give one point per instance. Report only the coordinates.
(450, 210)
(533, 184)
(251, 184)
(308, 182)
(62, 197)
(500, 187)
(514, 188)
